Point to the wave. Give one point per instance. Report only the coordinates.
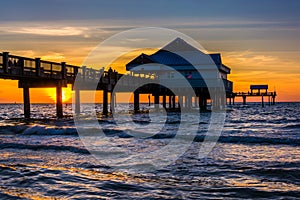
(164, 134)
(37, 130)
(36, 147)
(222, 139)
(291, 126)
(253, 140)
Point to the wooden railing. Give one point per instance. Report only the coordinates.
(18, 67)
(254, 93)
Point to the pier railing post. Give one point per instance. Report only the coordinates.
(75, 71)
(5, 62)
(38, 67)
(26, 101)
(83, 72)
(21, 62)
(63, 70)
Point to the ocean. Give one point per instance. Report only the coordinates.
(257, 156)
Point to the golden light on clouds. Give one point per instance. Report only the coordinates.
(280, 70)
(253, 57)
(119, 63)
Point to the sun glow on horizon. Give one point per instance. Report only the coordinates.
(66, 94)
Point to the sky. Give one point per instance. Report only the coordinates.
(258, 39)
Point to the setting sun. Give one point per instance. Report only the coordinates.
(66, 94)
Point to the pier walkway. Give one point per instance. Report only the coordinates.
(37, 73)
(255, 91)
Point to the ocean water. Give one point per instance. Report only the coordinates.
(256, 157)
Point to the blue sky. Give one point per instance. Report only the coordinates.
(265, 10)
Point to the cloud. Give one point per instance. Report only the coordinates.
(53, 56)
(48, 31)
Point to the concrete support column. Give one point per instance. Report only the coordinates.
(189, 102)
(26, 100)
(244, 100)
(59, 105)
(149, 100)
(170, 101)
(202, 103)
(136, 101)
(273, 100)
(215, 101)
(156, 102)
(105, 102)
(164, 101)
(174, 101)
(223, 101)
(112, 101)
(196, 104)
(180, 100)
(185, 102)
(77, 102)
(195, 101)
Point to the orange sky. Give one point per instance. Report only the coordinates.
(252, 61)
(246, 69)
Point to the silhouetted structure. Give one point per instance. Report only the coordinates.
(37, 73)
(255, 91)
(174, 55)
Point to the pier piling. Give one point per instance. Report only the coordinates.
(156, 102)
(77, 102)
(26, 100)
(136, 101)
(164, 101)
(105, 102)
(244, 100)
(59, 106)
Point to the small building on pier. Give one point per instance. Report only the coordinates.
(170, 59)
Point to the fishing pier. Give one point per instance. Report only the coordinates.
(37, 73)
(255, 91)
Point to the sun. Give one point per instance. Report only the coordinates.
(66, 94)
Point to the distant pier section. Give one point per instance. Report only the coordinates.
(255, 91)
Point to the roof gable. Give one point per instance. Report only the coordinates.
(141, 59)
(179, 53)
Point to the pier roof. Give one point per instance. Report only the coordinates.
(174, 54)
